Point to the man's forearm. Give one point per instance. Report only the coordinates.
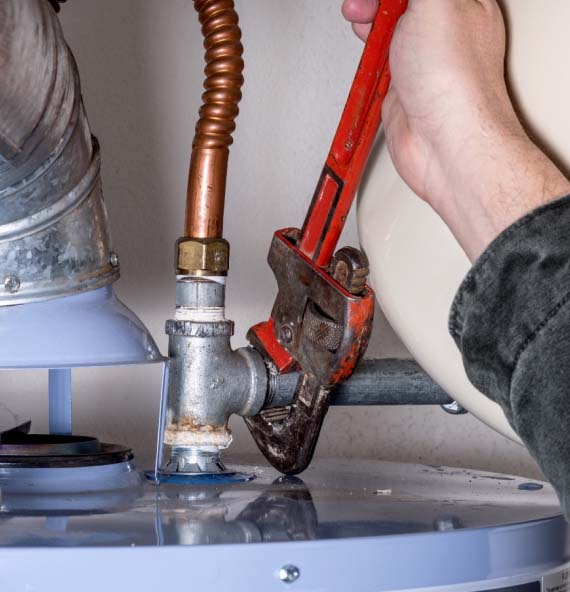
(511, 321)
(503, 177)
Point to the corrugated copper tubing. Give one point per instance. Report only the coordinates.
(210, 149)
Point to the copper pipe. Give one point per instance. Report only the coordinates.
(210, 149)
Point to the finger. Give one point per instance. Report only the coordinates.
(361, 30)
(359, 11)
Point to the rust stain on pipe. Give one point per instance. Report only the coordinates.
(210, 149)
(184, 431)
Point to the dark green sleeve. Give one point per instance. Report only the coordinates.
(511, 322)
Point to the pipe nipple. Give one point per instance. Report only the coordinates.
(194, 460)
(196, 466)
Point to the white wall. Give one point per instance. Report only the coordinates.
(141, 68)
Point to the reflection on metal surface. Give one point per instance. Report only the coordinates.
(328, 531)
(336, 499)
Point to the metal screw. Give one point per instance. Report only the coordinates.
(11, 284)
(114, 259)
(289, 574)
(286, 334)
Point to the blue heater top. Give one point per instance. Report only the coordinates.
(92, 328)
(346, 526)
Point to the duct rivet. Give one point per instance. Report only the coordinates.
(289, 574)
(114, 259)
(11, 284)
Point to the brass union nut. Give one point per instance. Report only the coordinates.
(202, 256)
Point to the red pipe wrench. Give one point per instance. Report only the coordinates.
(322, 316)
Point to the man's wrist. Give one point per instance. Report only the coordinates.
(495, 180)
(524, 180)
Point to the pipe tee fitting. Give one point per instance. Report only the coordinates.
(208, 381)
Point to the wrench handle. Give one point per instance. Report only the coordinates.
(353, 140)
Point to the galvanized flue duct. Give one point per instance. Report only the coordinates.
(54, 236)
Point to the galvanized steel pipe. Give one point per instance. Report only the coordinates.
(374, 382)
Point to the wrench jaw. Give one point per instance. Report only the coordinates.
(316, 326)
(287, 436)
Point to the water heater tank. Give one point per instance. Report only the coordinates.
(416, 263)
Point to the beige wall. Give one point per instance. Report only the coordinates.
(141, 68)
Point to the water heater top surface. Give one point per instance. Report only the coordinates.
(344, 525)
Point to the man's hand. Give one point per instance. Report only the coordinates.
(451, 128)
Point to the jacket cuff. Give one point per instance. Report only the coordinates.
(515, 287)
